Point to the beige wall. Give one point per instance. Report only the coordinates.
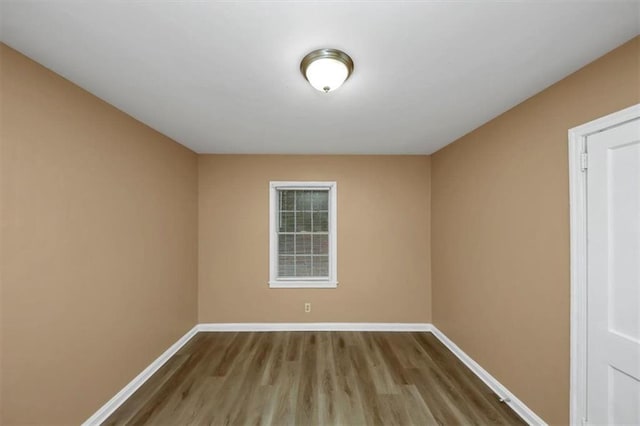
(383, 239)
(101, 249)
(500, 223)
(99, 262)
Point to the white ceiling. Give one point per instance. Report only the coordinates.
(223, 77)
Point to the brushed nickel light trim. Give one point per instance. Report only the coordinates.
(334, 54)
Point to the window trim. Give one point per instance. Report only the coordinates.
(298, 282)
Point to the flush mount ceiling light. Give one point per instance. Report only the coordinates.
(326, 69)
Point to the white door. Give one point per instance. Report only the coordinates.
(613, 276)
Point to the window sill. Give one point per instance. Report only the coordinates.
(303, 284)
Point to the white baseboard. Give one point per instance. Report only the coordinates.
(314, 326)
(518, 406)
(505, 395)
(107, 409)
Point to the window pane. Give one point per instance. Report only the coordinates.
(285, 244)
(320, 244)
(303, 221)
(320, 200)
(287, 199)
(302, 232)
(303, 244)
(321, 222)
(320, 266)
(287, 222)
(303, 200)
(286, 266)
(303, 266)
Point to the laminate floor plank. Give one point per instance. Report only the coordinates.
(313, 378)
(155, 384)
(480, 398)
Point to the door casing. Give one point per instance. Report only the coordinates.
(578, 159)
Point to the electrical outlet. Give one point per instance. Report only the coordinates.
(307, 307)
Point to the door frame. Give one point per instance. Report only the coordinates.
(578, 165)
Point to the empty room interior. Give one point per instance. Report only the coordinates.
(327, 213)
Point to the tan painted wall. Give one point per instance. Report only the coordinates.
(383, 239)
(99, 262)
(99, 229)
(500, 223)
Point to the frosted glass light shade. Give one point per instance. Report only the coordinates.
(326, 69)
(326, 74)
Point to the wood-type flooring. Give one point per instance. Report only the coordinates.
(313, 378)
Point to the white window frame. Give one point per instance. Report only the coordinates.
(301, 282)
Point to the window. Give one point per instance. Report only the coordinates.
(302, 222)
